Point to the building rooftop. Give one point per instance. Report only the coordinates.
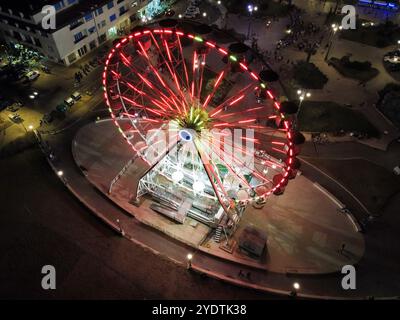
(25, 6)
(78, 11)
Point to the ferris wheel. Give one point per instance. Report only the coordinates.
(199, 117)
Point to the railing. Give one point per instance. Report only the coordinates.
(76, 24)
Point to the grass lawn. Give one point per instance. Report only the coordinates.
(370, 183)
(325, 116)
(308, 76)
(389, 103)
(349, 72)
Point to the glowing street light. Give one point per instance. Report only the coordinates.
(218, 2)
(296, 287)
(335, 28)
(30, 127)
(60, 173)
(302, 95)
(180, 16)
(250, 8)
(189, 258)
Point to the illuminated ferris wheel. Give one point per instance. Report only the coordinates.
(201, 122)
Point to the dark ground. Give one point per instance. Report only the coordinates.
(41, 223)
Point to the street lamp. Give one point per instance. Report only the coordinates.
(189, 258)
(94, 12)
(60, 173)
(302, 95)
(30, 127)
(296, 287)
(204, 14)
(250, 8)
(335, 28)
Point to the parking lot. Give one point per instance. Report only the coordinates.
(44, 101)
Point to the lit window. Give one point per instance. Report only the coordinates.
(113, 17)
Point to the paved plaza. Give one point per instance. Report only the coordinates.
(304, 227)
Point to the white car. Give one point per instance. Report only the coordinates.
(32, 75)
(15, 117)
(189, 15)
(392, 59)
(191, 10)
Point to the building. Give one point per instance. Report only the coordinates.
(80, 25)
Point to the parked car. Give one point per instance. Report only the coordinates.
(62, 107)
(5, 104)
(48, 118)
(14, 107)
(76, 96)
(192, 12)
(17, 75)
(69, 101)
(392, 59)
(190, 15)
(15, 118)
(32, 75)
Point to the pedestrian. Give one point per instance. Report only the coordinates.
(241, 273)
(343, 248)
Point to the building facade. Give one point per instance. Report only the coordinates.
(80, 25)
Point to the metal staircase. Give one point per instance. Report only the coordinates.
(218, 234)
